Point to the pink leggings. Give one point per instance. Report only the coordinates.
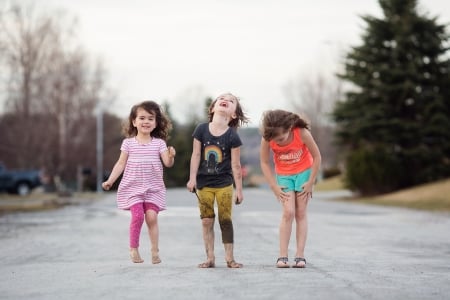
(138, 211)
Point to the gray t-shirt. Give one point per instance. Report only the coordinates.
(215, 161)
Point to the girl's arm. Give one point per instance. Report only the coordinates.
(116, 171)
(168, 157)
(237, 173)
(308, 139)
(266, 168)
(195, 163)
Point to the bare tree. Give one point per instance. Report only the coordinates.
(50, 88)
(22, 36)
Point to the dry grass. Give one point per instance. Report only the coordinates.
(330, 184)
(433, 196)
(41, 201)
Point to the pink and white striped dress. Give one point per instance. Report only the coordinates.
(142, 179)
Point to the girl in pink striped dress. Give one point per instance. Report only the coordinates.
(141, 189)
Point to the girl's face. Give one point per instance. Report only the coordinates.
(144, 122)
(283, 138)
(226, 103)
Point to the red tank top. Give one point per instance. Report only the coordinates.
(293, 158)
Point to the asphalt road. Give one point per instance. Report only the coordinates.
(353, 252)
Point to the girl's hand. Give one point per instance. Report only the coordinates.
(307, 189)
(280, 194)
(191, 185)
(239, 197)
(172, 151)
(106, 185)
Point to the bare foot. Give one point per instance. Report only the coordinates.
(234, 265)
(135, 257)
(155, 257)
(207, 264)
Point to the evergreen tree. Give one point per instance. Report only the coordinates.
(181, 138)
(177, 175)
(395, 123)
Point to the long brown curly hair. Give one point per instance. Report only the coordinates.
(277, 121)
(163, 123)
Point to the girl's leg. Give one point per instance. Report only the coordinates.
(207, 215)
(301, 219)
(224, 198)
(286, 224)
(151, 218)
(208, 239)
(137, 219)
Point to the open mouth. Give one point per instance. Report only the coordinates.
(223, 104)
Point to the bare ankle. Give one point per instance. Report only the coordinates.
(134, 255)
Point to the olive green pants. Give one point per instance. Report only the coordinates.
(224, 198)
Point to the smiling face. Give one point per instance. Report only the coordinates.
(225, 104)
(144, 122)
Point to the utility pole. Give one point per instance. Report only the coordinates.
(99, 146)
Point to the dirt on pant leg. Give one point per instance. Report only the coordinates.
(226, 226)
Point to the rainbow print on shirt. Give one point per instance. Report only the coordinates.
(213, 156)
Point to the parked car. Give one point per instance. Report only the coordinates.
(20, 182)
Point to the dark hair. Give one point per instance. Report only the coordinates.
(278, 121)
(240, 119)
(163, 123)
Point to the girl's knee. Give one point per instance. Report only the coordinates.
(300, 214)
(207, 222)
(288, 215)
(151, 217)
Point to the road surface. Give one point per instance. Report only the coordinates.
(354, 251)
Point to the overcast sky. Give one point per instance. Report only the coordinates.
(184, 50)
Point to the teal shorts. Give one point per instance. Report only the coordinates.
(293, 182)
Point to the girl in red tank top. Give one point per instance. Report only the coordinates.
(296, 160)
